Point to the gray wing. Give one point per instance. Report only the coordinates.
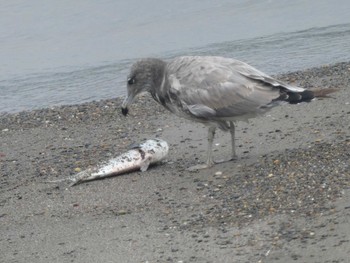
(215, 87)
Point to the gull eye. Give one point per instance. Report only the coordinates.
(131, 81)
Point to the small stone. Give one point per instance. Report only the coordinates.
(270, 175)
(218, 173)
(276, 162)
(121, 212)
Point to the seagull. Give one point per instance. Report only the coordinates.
(215, 91)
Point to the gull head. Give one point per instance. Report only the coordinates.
(143, 77)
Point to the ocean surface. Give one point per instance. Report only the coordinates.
(67, 52)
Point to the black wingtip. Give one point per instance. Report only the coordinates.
(305, 96)
(295, 97)
(125, 111)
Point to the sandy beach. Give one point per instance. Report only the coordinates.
(286, 198)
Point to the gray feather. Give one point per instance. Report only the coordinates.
(208, 89)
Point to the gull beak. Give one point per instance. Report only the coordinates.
(125, 111)
(128, 100)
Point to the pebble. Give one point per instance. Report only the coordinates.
(301, 181)
(276, 162)
(121, 212)
(218, 173)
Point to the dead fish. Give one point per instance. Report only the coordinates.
(139, 157)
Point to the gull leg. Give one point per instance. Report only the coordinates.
(232, 131)
(209, 162)
(233, 156)
(211, 134)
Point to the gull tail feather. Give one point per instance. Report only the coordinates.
(323, 93)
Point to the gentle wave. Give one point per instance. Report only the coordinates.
(273, 54)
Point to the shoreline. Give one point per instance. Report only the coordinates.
(287, 76)
(284, 199)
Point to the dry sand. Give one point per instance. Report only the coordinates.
(286, 199)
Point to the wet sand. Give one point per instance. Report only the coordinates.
(286, 199)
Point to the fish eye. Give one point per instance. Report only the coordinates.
(131, 80)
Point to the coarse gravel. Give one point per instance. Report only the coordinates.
(286, 199)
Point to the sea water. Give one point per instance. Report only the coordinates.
(67, 52)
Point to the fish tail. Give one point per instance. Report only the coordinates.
(80, 177)
(55, 181)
